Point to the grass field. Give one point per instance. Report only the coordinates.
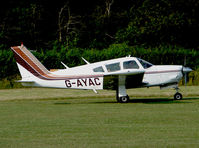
(36, 117)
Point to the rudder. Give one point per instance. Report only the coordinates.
(28, 65)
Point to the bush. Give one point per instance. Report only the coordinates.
(8, 64)
(161, 55)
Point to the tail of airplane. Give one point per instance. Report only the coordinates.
(31, 69)
(33, 73)
(29, 66)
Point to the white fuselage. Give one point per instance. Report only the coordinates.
(119, 74)
(155, 75)
(162, 75)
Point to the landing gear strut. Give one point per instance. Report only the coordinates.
(177, 96)
(121, 95)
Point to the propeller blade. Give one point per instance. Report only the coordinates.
(185, 71)
(185, 79)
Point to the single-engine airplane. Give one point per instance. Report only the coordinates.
(119, 74)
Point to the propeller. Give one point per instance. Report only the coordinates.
(185, 71)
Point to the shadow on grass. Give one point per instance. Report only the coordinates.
(157, 101)
(62, 103)
(150, 101)
(191, 98)
(140, 100)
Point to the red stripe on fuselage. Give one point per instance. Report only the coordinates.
(165, 71)
(28, 64)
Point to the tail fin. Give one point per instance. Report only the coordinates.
(29, 66)
(31, 69)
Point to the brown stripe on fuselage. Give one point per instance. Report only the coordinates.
(24, 64)
(28, 60)
(34, 59)
(28, 64)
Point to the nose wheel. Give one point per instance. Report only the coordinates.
(177, 96)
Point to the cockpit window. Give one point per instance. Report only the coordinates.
(130, 65)
(113, 67)
(98, 69)
(144, 63)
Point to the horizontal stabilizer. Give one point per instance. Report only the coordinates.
(22, 81)
(27, 83)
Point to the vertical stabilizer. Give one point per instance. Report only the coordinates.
(29, 66)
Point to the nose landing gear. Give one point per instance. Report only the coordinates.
(177, 96)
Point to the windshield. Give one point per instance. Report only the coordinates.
(130, 65)
(144, 63)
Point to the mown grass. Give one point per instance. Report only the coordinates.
(48, 93)
(71, 118)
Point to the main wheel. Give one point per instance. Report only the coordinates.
(178, 96)
(124, 99)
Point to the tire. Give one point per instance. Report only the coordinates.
(124, 99)
(178, 96)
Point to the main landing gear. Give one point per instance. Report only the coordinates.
(123, 99)
(121, 95)
(177, 96)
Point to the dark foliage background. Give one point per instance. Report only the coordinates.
(162, 32)
(97, 24)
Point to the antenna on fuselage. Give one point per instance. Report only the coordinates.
(85, 61)
(64, 65)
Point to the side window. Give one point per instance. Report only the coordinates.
(113, 67)
(98, 69)
(130, 65)
(145, 64)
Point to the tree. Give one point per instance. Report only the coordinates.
(108, 7)
(160, 22)
(67, 25)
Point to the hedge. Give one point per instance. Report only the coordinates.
(161, 55)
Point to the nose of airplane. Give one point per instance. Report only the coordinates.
(186, 70)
